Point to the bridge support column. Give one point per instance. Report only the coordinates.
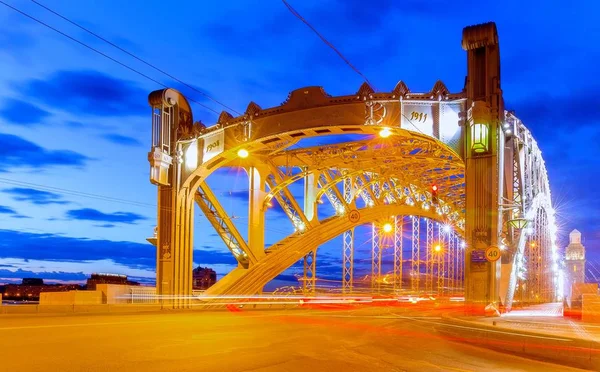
(376, 257)
(480, 136)
(429, 256)
(310, 273)
(415, 275)
(172, 116)
(174, 253)
(256, 210)
(398, 227)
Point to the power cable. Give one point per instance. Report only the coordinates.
(63, 191)
(297, 15)
(134, 56)
(99, 52)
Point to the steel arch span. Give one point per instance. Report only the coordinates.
(455, 158)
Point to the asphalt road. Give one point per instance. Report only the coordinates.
(363, 339)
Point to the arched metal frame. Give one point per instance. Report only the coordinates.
(385, 174)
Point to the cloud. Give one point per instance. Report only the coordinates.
(18, 152)
(11, 212)
(106, 225)
(7, 210)
(34, 246)
(87, 92)
(578, 108)
(207, 255)
(35, 196)
(89, 214)
(121, 140)
(6, 275)
(22, 113)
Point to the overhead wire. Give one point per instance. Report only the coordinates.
(297, 15)
(99, 52)
(134, 56)
(69, 192)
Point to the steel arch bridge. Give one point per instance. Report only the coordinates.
(457, 164)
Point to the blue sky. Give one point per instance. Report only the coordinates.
(75, 127)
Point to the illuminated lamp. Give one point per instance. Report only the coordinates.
(243, 153)
(479, 117)
(385, 133)
(387, 227)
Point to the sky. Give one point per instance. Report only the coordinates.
(75, 196)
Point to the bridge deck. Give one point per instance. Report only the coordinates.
(320, 339)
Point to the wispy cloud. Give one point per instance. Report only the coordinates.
(18, 152)
(35, 196)
(10, 212)
(88, 92)
(89, 214)
(121, 140)
(22, 113)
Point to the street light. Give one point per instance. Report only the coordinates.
(480, 119)
(385, 132)
(243, 153)
(387, 227)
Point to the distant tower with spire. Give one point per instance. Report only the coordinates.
(575, 260)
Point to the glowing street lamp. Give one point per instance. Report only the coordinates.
(387, 227)
(385, 132)
(479, 118)
(243, 153)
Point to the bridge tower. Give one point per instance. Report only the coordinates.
(575, 261)
(485, 113)
(172, 134)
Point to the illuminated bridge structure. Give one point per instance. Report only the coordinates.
(452, 178)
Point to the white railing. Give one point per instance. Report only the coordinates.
(142, 295)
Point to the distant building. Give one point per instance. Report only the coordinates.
(203, 278)
(30, 289)
(108, 279)
(574, 261)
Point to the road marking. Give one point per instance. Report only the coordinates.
(82, 324)
(487, 330)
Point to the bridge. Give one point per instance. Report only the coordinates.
(451, 182)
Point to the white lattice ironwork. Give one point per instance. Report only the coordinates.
(535, 266)
(429, 264)
(415, 275)
(375, 257)
(310, 271)
(451, 262)
(441, 259)
(348, 244)
(398, 241)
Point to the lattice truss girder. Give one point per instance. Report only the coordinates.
(416, 257)
(310, 272)
(430, 256)
(535, 246)
(223, 225)
(376, 256)
(398, 259)
(407, 160)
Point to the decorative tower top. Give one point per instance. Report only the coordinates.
(575, 237)
(575, 250)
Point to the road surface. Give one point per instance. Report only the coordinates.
(319, 339)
